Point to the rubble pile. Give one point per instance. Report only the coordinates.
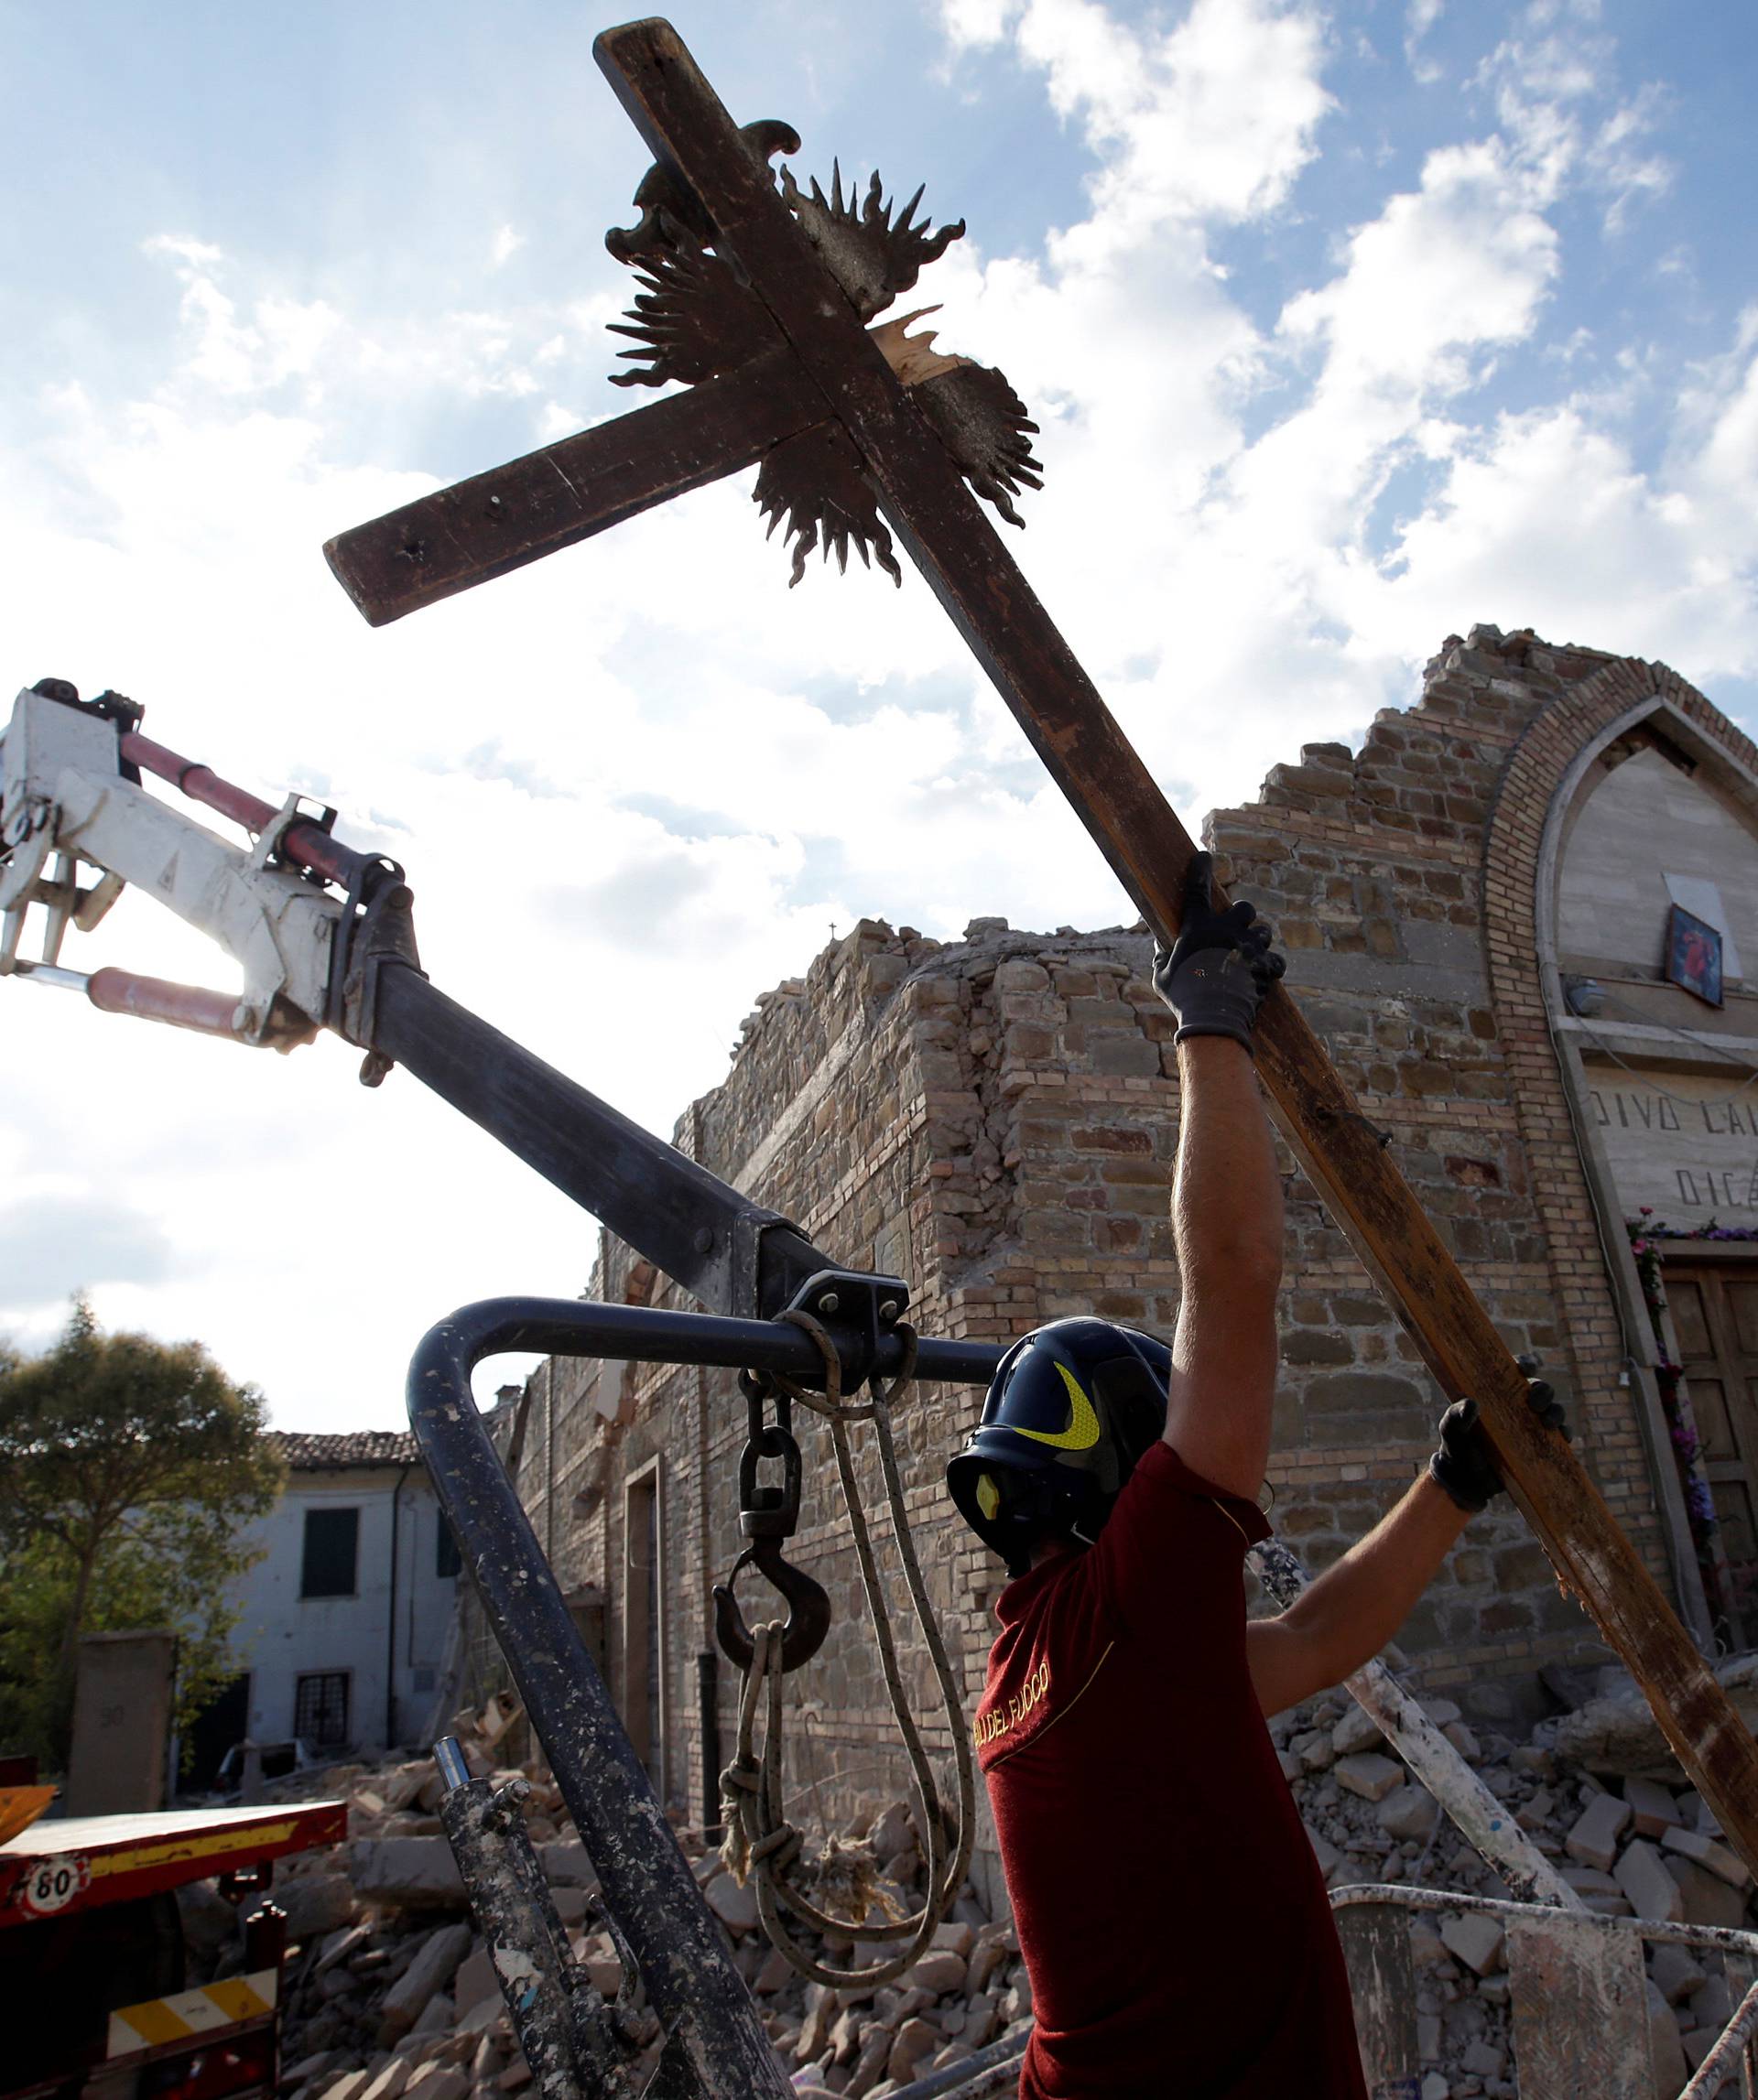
(1632, 1843)
(390, 1993)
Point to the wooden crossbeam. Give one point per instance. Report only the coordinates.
(962, 560)
(498, 521)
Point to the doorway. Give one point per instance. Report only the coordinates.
(222, 1723)
(1714, 1307)
(643, 1623)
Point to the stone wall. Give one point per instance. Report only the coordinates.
(995, 1119)
(1375, 866)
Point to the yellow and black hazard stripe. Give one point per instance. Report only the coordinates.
(156, 2021)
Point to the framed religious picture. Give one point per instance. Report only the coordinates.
(1693, 956)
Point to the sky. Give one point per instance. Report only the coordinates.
(1347, 327)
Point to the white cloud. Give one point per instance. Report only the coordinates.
(1551, 521)
(1545, 79)
(1264, 554)
(506, 243)
(360, 364)
(971, 24)
(1419, 17)
(556, 421)
(1459, 263)
(194, 254)
(1211, 120)
(1619, 167)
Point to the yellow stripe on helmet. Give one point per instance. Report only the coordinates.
(1083, 1432)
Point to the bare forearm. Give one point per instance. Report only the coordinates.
(1350, 1613)
(1227, 1223)
(1227, 1194)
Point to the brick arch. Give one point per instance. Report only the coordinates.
(1519, 864)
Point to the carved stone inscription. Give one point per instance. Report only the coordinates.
(1687, 1146)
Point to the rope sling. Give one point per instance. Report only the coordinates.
(760, 1841)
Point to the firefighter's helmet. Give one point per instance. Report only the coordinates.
(1071, 1408)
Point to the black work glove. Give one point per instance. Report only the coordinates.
(1462, 1468)
(1220, 965)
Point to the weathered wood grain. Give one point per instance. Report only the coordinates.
(499, 521)
(1383, 1990)
(1580, 2012)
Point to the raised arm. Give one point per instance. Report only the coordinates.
(1227, 1226)
(1348, 1615)
(1227, 1197)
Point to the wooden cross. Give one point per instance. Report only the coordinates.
(812, 380)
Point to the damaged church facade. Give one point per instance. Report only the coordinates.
(1488, 914)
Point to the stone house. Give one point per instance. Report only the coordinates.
(344, 1622)
(1481, 910)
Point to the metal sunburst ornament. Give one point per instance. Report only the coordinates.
(695, 318)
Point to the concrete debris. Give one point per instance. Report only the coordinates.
(1370, 1776)
(1677, 1973)
(939, 1971)
(1627, 1848)
(1667, 2045)
(1615, 1733)
(1709, 1899)
(1652, 1809)
(567, 1865)
(1474, 1938)
(1538, 1811)
(1409, 1811)
(319, 1903)
(1641, 1874)
(391, 1995)
(1594, 1838)
(406, 1874)
(210, 1923)
(1312, 1751)
(892, 1833)
(1705, 1852)
(428, 1974)
(1484, 2060)
(1358, 1730)
(1712, 2003)
(1599, 1891)
(733, 1903)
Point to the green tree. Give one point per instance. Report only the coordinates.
(128, 1467)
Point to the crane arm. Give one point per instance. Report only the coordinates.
(325, 937)
(66, 800)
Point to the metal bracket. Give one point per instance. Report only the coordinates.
(266, 852)
(859, 1309)
(381, 932)
(770, 1259)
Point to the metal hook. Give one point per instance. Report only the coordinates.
(808, 1608)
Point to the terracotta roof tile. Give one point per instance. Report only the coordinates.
(307, 1451)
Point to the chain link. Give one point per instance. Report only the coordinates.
(760, 1841)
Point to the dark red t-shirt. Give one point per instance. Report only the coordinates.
(1171, 1913)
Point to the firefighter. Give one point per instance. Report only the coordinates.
(1170, 1910)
